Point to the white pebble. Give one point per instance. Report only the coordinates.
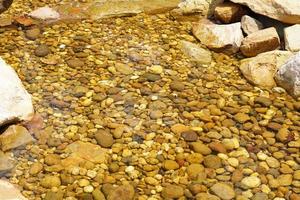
(88, 189)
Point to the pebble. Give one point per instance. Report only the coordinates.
(33, 33)
(104, 139)
(50, 181)
(212, 161)
(156, 69)
(285, 179)
(241, 117)
(42, 50)
(177, 86)
(172, 192)
(189, 136)
(170, 165)
(75, 63)
(223, 190)
(251, 182)
(201, 148)
(35, 168)
(273, 162)
(123, 192)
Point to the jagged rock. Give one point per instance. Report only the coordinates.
(229, 12)
(260, 41)
(203, 7)
(220, 38)
(288, 76)
(250, 25)
(260, 70)
(196, 53)
(15, 101)
(291, 38)
(9, 192)
(14, 137)
(287, 11)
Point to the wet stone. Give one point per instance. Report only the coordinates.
(189, 136)
(104, 139)
(212, 161)
(172, 192)
(223, 190)
(33, 34)
(42, 50)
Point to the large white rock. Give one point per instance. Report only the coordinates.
(288, 76)
(287, 11)
(15, 101)
(9, 192)
(45, 13)
(220, 38)
(204, 7)
(260, 70)
(292, 38)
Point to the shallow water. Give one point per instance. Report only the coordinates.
(100, 76)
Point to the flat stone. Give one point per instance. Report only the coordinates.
(9, 192)
(45, 13)
(260, 41)
(220, 38)
(50, 181)
(251, 182)
(104, 139)
(260, 70)
(250, 25)
(229, 12)
(15, 101)
(42, 50)
(123, 192)
(196, 53)
(291, 38)
(241, 117)
(194, 169)
(172, 192)
(223, 190)
(189, 136)
(14, 137)
(285, 179)
(170, 165)
(87, 151)
(201, 148)
(33, 33)
(203, 7)
(212, 161)
(288, 76)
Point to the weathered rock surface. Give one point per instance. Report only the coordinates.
(288, 76)
(260, 70)
(287, 11)
(291, 38)
(229, 12)
(260, 41)
(45, 13)
(220, 38)
(85, 151)
(14, 137)
(15, 101)
(6, 164)
(9, 192)
(196, 53)
(204, 7)
(250, 25)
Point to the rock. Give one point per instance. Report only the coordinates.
(151, 77)
(177, 86)
(4, 5)
(104, 139)
(251, 182)
(9, 192)
(42, 50)
(287, 11)
(33, 34)
(189, 136)
(16, 103)
(263, 101)
(124, 69)
(250, 25)
(45, 13)
(52, 159)
(260, 196)
(172, 192)
(85, 151)
(35, 168)
(260, 41)
(260, 70)
(194, 169)
(14, 137)
(179, 128)
(291, 38)
(241, 117)
(156, 114)
(201, 148)
(156, 69)
(220, 38)
(50, 181)
(196, 53)
(98, 195)
(223, 190)
(288, 76)
(54, 195)
(229, 12)
(285, 179)
(75, 63)
(212, 161)
(124, 192)
(206, 196)
(6, 21)
(272, 162)
(170, 165)
(203, 7)
(6, 163)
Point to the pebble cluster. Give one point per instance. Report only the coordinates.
(167, 127)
